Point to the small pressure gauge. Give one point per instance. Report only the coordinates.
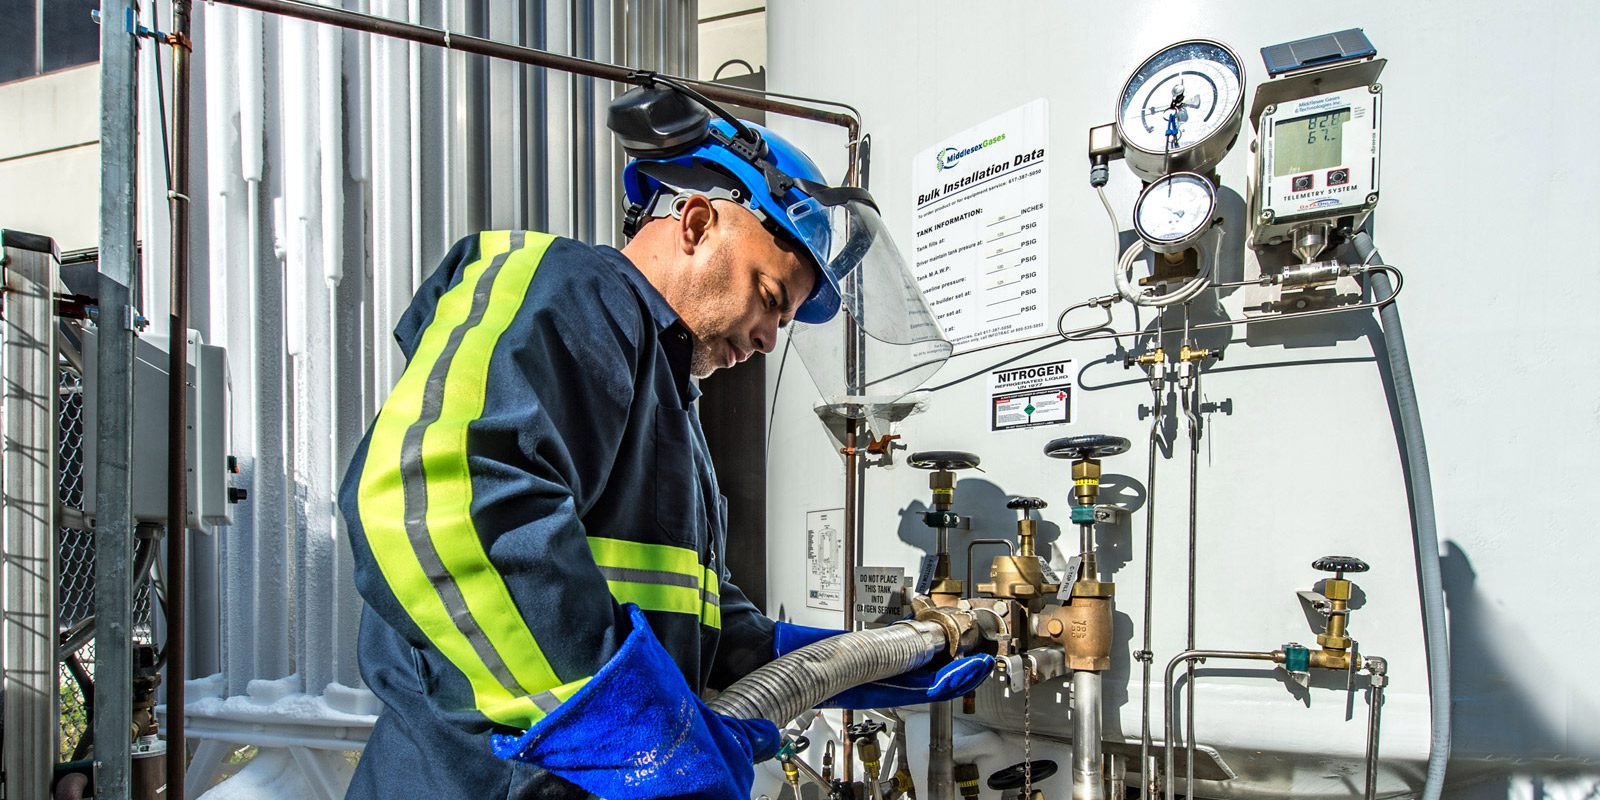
(1181, 109)
(1175, 211)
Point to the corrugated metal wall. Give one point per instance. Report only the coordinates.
(339, 169)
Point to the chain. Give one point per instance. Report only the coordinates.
(1027, 729)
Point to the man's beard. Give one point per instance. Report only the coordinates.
(703, 359)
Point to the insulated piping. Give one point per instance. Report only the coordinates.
(784, 688)
(1424, 528)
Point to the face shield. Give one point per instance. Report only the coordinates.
(898, 342)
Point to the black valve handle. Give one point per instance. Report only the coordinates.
(1012, 777)
(864, 730)
(942, 460)
(1340, 564)
(1026, 503)
(1091, 445)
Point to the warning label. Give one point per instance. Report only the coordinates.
(1030, 396)
(880, 595)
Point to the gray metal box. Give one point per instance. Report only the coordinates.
(208, 430)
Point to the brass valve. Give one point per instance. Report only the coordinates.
(1147, 358)
(1021, 576)
(944, 464)
(864, 735)
(966, 776)
(1334, 641)
(1187, 353)
(1336, 636)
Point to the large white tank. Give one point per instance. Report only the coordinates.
(1488, 201)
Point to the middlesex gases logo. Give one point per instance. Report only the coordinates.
(947, 158)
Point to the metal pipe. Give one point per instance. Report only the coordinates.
(941, 751)
(1190, 394)
(1189, 656)
(441, 37)
(1088, 757)
(1089, 333)
(178, 407)
(1147, 771)
(855, 475)
(113, 536)
(1374, 719)
(1010, 548)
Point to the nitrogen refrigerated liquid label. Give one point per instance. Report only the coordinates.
(979, 232)
(824, 551)
(1031, 395)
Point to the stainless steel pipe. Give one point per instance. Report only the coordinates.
(1088, 755)
(1186, 657)
(941, 751)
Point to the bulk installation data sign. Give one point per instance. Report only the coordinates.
(979, 232)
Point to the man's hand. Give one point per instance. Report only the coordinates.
(637, 732)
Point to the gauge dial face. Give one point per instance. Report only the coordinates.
(1175, 210)
(1180, 97)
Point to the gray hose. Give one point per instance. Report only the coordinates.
(788, 685)
(1424, 527)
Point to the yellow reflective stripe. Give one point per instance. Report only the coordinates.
(643, 555)
(380, 502)
(464, 591)
(657, 597)
(444, 456)
(659, 577)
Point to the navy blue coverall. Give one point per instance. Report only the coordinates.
(537, 464)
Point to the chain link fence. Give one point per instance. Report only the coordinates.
(75, 579)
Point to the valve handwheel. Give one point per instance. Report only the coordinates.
(1026, 503)
(1012, 777)
(1340, 564)
(1092, 445)
(864, 730)
(943, 460)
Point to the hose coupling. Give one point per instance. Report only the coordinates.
(958, 626)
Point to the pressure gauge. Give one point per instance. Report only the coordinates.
(1175, 211)
(1180, 110)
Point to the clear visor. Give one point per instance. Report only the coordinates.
(898, 342)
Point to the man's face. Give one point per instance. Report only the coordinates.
(739, 287)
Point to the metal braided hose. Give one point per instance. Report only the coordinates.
(788, 685)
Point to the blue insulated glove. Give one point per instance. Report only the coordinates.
(636, 731)
(928, 684)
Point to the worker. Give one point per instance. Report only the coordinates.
(536, 527)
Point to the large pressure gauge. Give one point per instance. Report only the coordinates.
(1175, 211)
(1181, 109)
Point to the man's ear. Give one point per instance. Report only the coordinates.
(697, 217)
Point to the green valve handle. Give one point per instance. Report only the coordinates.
(1296, 658)
(1083, 515)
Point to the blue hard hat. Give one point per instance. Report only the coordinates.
(772, 178)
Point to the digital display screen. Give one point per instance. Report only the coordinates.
(1309, 143)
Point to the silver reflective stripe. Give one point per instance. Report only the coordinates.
(546, 702)
(415, 481)
(655, 576)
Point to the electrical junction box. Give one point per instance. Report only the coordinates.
(208, 430)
